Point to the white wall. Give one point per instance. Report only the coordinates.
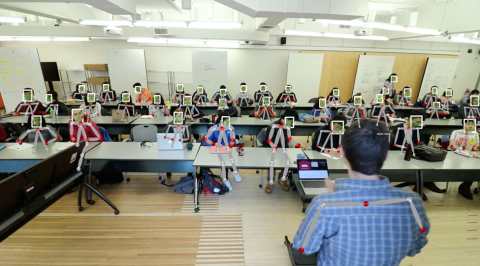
(267, 63)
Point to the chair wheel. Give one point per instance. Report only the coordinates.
(80, 208)
(91, 202)
(303, 210)
(475, 191)
(117, 212)
(128, 179)
(260, 186)
(197, 209)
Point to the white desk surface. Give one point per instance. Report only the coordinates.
(152, 121)
(394, 161)
(41, 153)
(455, 162)
(253, 158)
(253, 121)
(443, 122)
(131, 151)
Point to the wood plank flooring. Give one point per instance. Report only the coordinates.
(244, 227)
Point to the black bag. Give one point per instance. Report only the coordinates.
(212, 184)
(109, 177)
(429, 154)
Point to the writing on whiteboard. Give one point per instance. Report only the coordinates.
(372, 71)
(439, 72)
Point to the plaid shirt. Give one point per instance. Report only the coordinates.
(377, 235)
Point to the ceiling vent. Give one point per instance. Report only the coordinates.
(160, 32)
(344, 26)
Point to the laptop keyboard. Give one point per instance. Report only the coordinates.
(313, 184)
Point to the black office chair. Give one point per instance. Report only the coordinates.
(313, 100)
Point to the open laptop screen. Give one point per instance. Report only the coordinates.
(312, 169)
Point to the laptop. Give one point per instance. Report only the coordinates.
(312, 175)
(223, 149)
(165, 144)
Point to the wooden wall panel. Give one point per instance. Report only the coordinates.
(339, 70)
(410, 69)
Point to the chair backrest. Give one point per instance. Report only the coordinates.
(144, 133)
(313, 100)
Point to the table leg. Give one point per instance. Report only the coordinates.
(261, 179)
(420, 183)
(88, 193)
(195, 195)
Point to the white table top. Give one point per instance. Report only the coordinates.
(394, 161)
(253, 158)
(252, 121)
(152, 121)
(40, 154)
(126, 151)
(455, 162)
(443, 122)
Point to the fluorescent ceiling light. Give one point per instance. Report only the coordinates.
(186, 41)
(153, 23)
(358, 23)
(339, 35)
(33, 39)
(223, 43)
(13, 19)
(373, 38)
(146, 40)
(385, 26)
(303, 33)
(6, 39)
(423, 31)
(463, 40)
(99, 22)
(215, 24)
(71, 39)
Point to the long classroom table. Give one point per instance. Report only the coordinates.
(12, 161)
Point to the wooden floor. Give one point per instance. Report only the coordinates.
(244, 227)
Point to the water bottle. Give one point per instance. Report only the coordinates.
(241, 147)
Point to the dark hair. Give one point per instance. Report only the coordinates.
(54, 94)
(419, 112)
(263, 83)
(317, 102)
(29, 89)
(121, 99)
(243, 83)
(137, 84)
(220, 114)
(162, 102)
(331, 92)
(339, 117)
(444, 93)
(289, 112)
(223, 87)
(29, 121)
(366, 147)
(475, 92)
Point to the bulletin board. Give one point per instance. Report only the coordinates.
(410, 69)
(339, 69)
(19, 69)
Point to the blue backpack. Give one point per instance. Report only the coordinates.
(212, 184)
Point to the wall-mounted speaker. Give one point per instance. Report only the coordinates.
(283, 40)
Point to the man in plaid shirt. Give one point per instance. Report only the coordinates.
(377, 235)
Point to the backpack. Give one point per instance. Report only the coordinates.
(211, 183)
(186, 185)
(429, 154)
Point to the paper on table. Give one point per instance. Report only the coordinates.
(146, 117)
(330, 156)
(66, 146)
(21, 147)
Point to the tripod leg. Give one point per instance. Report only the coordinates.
(100, 195)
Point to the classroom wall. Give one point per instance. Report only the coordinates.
(267, 63)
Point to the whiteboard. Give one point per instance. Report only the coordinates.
(126, 67)
(438, 72)
(372, 71)
(20, 69)
(304, 74)
(210, 70)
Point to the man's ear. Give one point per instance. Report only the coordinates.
(342, 152)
